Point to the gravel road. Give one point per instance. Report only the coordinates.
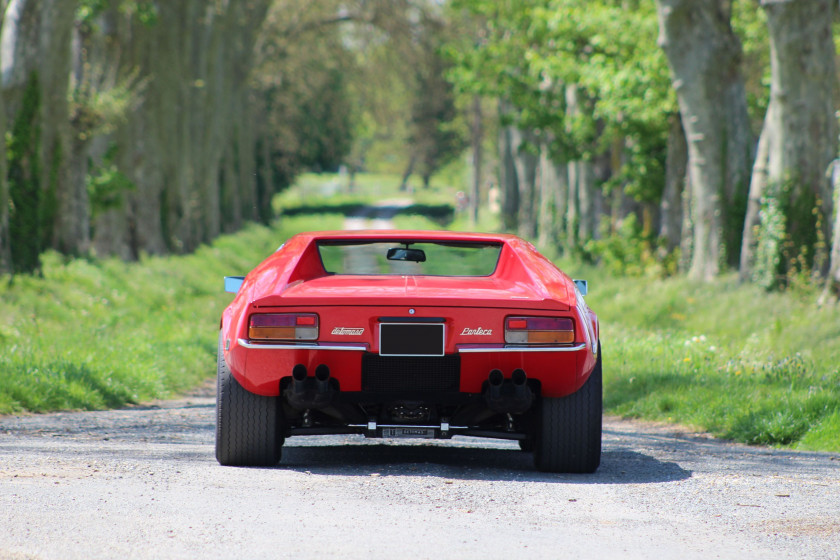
(143, 483)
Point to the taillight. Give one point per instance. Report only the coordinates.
(283, 326)
(539, 330)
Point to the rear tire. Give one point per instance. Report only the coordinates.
(568, 438)
(248, 430)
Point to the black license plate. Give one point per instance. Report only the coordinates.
(410, 339)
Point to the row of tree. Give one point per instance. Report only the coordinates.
(152, 126)
(711, 124)
(702, 131)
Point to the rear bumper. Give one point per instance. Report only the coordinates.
(560, 370)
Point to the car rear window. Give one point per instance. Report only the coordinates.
(430, 258)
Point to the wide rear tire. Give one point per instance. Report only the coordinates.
(568, 434)
(248, 430)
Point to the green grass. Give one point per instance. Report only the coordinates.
(97, 334)
(726, 358)
(736, 361)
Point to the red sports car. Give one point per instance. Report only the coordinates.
(409, 334)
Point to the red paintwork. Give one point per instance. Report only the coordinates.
(524, 283)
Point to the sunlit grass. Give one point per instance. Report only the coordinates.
(103, 333)
(729, 359)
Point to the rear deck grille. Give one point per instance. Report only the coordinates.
(411, 373)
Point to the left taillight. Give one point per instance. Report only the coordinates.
(283, 326)
(539, 330)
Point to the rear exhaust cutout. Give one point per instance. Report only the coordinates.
(309, 392)
(508, 396)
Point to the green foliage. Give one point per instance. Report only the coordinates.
(790, 245)
(88, 11)
(528, 52)
(106, 184)
(629, 251)
(95, 112)
(435, 136)
(301, 85)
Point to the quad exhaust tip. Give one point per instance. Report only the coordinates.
(299, 372)
(496, 378)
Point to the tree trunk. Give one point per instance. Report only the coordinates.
(833, 284)
(477, 134)
(193, 123)
(524, 144)
(507, 175)
(758, 184)
(71, 234)
(5, 242)
(587, 201)
(803, 136)
(676, 161)
(704, 55)
(553, 189)
(409, 170)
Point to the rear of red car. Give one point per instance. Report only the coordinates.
(410, 334)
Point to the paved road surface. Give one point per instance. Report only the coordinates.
(143, 483)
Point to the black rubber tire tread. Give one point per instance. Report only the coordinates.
(248, 431)
(569, 429)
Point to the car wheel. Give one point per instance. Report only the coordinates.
(568, 438)
(248, 431)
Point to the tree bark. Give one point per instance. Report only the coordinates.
(553, 197)
(803, 128)
(507, 174)
(758, 184)
(5, 242)
(477, 137)
(676, 163)
(194, 122)
(525, 160)
(833, 284)
(71, 234)
(704, 55)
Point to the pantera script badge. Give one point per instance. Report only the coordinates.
(479, 331)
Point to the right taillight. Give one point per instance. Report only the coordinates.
(539, 330)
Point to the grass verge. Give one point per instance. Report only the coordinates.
(97, 334)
